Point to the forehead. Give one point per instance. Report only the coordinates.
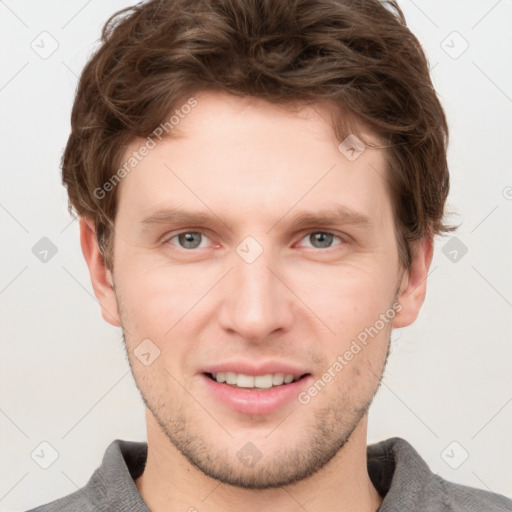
(245, 156)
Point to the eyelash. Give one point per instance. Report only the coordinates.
(202, 233)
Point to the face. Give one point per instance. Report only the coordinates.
(250, 249)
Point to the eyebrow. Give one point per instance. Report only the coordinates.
(168, 215)
(337, 215)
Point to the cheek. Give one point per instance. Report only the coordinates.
(347, 298)
(157, 296)
(162, 303)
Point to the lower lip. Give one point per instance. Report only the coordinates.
(255, 401)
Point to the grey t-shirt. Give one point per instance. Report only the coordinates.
(397, 471)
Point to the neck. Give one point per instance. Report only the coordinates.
(170, 483)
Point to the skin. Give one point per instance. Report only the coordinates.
(252, 166)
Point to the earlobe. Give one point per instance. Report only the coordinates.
(101, 277)
(413, 286)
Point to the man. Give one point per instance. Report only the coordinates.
(259, 184)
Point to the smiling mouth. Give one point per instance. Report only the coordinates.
(254, 382)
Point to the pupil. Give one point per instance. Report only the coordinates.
(321, 239)
(187, 240)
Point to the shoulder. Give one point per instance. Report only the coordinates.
(461, 498)
(111, 487)
(71, 503)
(400, 474)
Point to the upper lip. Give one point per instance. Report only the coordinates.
(252, 368)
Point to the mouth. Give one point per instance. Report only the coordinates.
(254, 382)
(254, 394)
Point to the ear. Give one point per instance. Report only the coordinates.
(413, 286)
(101, 277)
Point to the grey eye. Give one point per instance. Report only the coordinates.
(320, 239)
(189, 239)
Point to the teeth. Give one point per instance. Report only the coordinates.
(244, 381)
(263, 381)
(230, 378)
(277, 379)
(249, 381)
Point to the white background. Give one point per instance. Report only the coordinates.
(64, 377)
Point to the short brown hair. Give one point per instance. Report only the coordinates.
(358, 55)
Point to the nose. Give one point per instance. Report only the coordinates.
(256, 302)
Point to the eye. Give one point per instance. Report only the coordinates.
(188, 239)
(321, 239)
